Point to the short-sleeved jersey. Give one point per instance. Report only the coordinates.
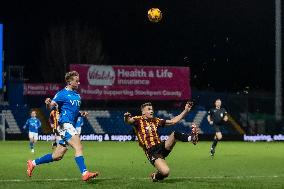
(33, 124)
(146, 131)
(80, 122)
(53, 118)
(69, 102)
(217, 115)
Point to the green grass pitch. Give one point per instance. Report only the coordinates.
(124, 165)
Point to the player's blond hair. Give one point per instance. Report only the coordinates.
(69, 75)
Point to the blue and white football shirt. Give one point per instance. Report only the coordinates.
(69, 102)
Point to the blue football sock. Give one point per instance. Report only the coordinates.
(31, 145)
(44, 159)
(81, 164)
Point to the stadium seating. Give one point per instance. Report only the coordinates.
(111, 121)
(15, 118)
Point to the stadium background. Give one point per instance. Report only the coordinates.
(229, 47)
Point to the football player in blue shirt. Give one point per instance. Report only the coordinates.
(33, 124)
(68, 102)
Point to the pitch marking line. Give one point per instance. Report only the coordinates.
(133, 178)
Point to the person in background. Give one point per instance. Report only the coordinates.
(33, 124)
(217, 116)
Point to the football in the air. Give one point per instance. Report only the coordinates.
(155, 15)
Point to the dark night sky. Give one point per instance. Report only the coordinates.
(229, 44)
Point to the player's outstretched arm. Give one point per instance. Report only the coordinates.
(26, 124)
(39, 124)
(128, 118)
(50, 104)
(176, 119)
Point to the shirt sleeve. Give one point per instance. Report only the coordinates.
(209, 112)
(136, 121)
(80, 121)
(58, 98)
(39, 123)
(26, 124)
(161, 122)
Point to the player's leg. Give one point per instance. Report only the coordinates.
(54, 144)
(78, 130)
(55, 156)
(57, 140)
(156, 155)
(31, 139)
(53, 141)
(184, 137)
(217, 137)
(59, 152)
(32, 145)
(35, 140)
(171, 141)
(163, 170)
(75, 142)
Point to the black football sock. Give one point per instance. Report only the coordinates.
(214, 144)
(159, 176)
(182, 136)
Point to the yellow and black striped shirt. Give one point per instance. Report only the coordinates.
(146, 131)
(53, 119)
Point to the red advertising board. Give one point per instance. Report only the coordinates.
(41, 89)
(133, 82)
